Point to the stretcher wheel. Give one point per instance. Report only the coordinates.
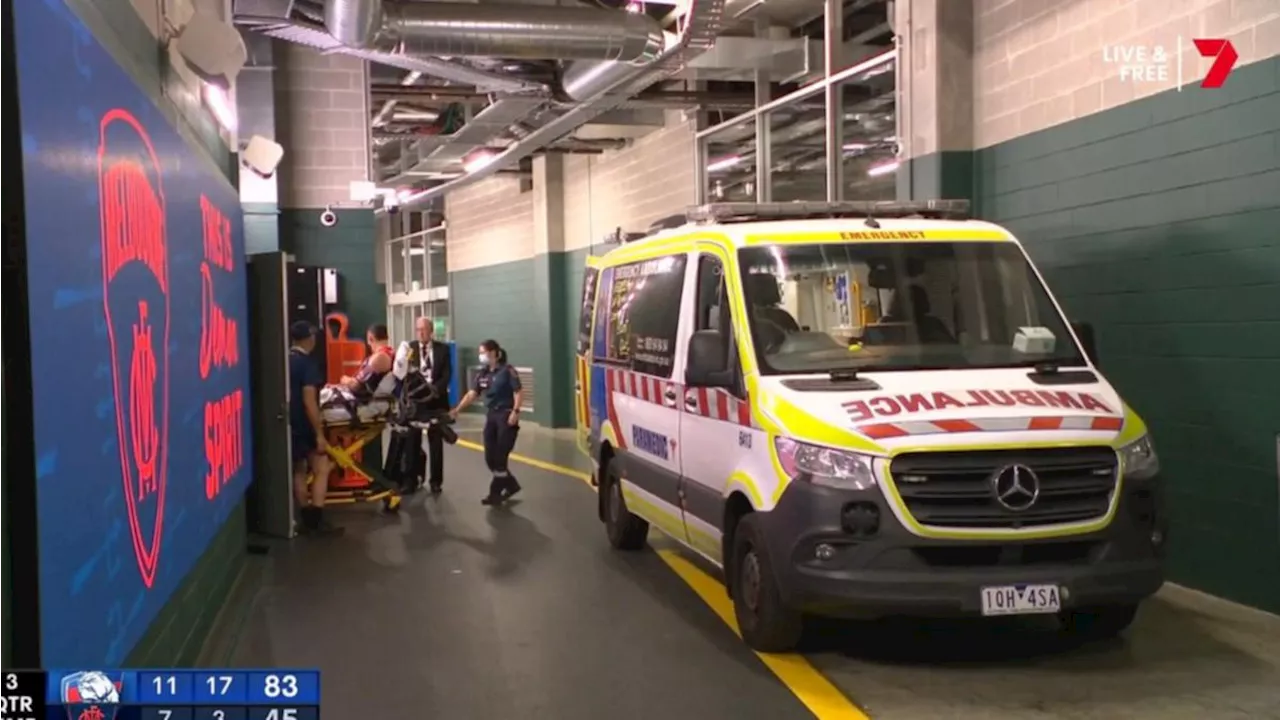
(391, 504)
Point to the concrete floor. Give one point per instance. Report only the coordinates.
(452, 610)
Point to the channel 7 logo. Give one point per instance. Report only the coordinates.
(1224, 59)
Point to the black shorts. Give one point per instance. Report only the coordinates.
(304, 444)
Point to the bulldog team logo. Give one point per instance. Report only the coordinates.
(135, 277)
(90, 695)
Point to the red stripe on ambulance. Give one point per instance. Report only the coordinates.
(713, 403)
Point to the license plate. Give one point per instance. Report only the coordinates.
(1020, 600)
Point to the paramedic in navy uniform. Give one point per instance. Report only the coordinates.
(436, 368)
(499, 383)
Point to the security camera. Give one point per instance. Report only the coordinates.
(328, 218)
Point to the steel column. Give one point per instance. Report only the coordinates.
(833, 41)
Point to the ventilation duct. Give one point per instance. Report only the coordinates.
(617, 83)
(530, 32)
(314, 36)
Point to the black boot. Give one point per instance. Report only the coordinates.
(510, 487)
(318, 525)
(495, 496)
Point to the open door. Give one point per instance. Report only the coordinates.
(582, 382)
(271, 494)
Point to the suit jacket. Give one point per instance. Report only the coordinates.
(441, 368)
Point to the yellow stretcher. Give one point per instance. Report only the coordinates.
(353, 480)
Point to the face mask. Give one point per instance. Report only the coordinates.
(484, 358)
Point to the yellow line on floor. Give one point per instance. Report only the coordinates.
(811, 687)
(534, 462)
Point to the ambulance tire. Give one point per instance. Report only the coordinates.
(625, 530)
(1097, 623)
(766, 623)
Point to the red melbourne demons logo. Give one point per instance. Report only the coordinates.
(135, 278)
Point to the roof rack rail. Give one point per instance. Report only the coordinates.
(618, 236)
(851, 209)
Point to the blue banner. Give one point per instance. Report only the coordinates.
(135, 263)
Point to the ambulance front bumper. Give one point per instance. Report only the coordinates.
(824, 568)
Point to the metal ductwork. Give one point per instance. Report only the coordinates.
(536, 32)
(312, 35)
(700, 28)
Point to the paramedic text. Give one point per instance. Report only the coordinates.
(219, 349)
(24, 696)
(1139, 63)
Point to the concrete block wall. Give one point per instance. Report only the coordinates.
(1152, 213)
(1038, 63)
(630, 188)
(322, 110)
(497, 271)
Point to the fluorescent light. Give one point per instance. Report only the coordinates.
(478, 161)
(723, 163)
(856, 146)
(883, 169)
(220, 105)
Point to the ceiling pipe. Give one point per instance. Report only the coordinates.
(700, 27)
(534, 32)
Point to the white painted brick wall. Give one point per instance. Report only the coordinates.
(490, 222)
(629, 188)
(1038, 63)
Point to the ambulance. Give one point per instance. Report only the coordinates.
(863, 409)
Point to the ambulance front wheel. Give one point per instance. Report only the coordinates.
(767, 624)
(625, 530)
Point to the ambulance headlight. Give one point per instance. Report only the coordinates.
(1138, 459)
(824, 466)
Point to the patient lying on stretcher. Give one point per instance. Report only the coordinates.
(370, 394)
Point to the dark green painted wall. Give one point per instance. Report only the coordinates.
(347, 247)
(531, 308)
(1159, 222)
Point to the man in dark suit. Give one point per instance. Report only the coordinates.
(432, 361)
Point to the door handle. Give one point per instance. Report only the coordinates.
(690, 401)
(669, 394)
(577, 387)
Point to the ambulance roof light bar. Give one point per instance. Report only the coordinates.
(720, 213)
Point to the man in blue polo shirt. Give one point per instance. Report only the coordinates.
(306, 430)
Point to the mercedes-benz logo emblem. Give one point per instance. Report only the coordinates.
(1016, 487)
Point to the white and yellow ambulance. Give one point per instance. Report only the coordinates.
(863, 409)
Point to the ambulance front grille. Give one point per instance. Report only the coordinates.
(958, 489)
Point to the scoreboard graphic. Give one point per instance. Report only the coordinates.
(162, 695)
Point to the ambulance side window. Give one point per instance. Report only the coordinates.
(712, 311)
(585, 313)
(641, 312)
(713, 296)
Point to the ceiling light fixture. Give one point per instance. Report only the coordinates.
(219, 103)
(882, 169)
(478, 161)
(723, 163)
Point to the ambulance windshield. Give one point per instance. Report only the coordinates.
(900, 306)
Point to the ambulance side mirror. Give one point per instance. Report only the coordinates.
(1084, 331)
(708, 360)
